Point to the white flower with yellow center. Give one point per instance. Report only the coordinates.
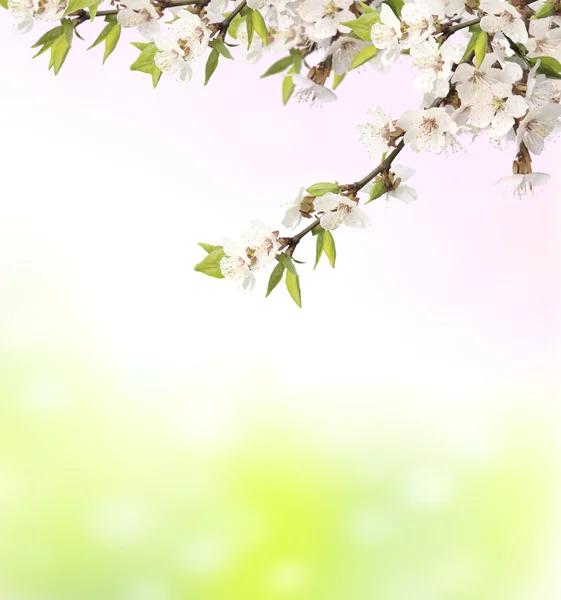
(537, 126)
(324, 17)
(141, 15)
(376, 135)
(497, 111)
(339, 210)
(428, 130)
(235, 265)
(502, 16)
(386, 35)
(190, 30)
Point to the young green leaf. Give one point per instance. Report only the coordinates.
(75, 5)
(285, 260)
(145, 61)
(287, 89)
(278, 67)
(329, 247)
(211, 64)
(549, 66)
(363, 56)
(545, 11)
(92, 9)
(275, 279)
(296, 60)
(319, 245)
(293, 287)
(396, 6)
(260, 27)
(363, 25)
(4, 3)
(208, 248)
(337, 80)
(48, 38)
(210, 265)
(378, 190)
(470, 47)
(249, 26)
(480, 48)
(320, 189)
(219, 44)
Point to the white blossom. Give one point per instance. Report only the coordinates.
(325, 16)
(236, 265)
(537, 126)
(522, 184)
(339, 210)
(502, 16)
(141, 15)
(428, 130)
(376, 135)
(310, 91)
(293, 215)
(497, 111)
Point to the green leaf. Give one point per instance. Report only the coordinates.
(319, 245)
(249, 26)
(366, 9)
(275, 279)
(363, 25)
(59, 52)
(4, 3)
(260, 27)
(211, 64)
(546, 10)
(549, 66)
(470, 47)
(296, 60)
(278, 67)
(378, 190)
(111, 41)
(208, 248)
(480, 48)
(325, 244)
(92, 9)
(396, 6)
(145, 61)
(49, 37)
(219, 44)
(75, 5)
(210, 265)
(337, 80)
(287, 89)
(293, 287)
(320, 189)
(363, 56)
(285, 260)
(329, 247)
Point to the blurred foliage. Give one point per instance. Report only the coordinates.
(104, 496)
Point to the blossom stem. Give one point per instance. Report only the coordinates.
(223, 26)
(164, 5)
(453, 28)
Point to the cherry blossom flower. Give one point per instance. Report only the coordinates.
(386, 35)
(192, 32)
(339, 210)
(498, 111)
(428, 130)
(236, 265)
(544, 41)
(171, 58)
(537, 126)
(523, 184)
(141, 15)
(325, 16)
(502, 16)
(310, 91)
(344, 51)
(434, 63)
(293, 215)
(376, 135)
(262, 245)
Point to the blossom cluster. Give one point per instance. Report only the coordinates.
(482, 67)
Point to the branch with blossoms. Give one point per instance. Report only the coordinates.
(483, 67)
